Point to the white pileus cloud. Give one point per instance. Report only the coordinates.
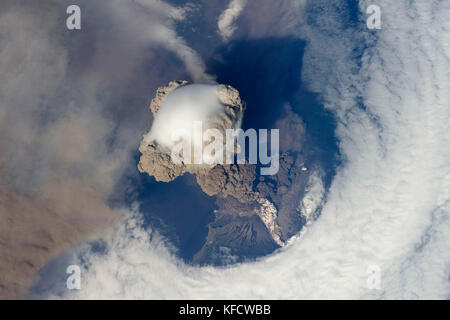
(182, 109)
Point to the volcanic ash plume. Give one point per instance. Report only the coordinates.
(179, 106)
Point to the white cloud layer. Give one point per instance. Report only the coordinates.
(314, 196)
(388, 206)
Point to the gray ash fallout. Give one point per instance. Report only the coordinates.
(255, 213)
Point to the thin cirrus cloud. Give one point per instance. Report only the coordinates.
(388, 205)
(226, 21)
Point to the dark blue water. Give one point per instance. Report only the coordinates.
(179, 210)
(267, 74)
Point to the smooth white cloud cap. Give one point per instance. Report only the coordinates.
(180, 110)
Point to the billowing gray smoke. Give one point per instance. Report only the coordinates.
(176, 108)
